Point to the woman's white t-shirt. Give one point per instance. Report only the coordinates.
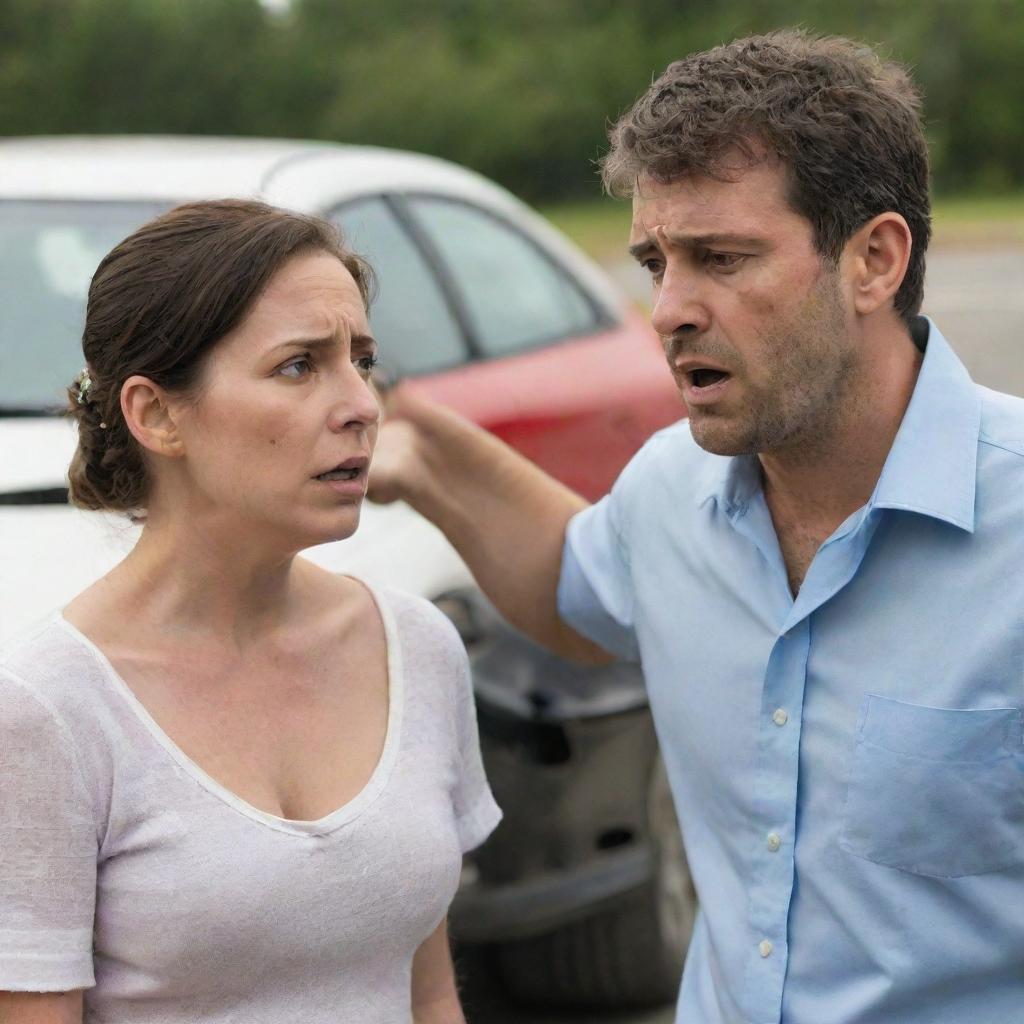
(128, 871)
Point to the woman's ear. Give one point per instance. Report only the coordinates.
(878, 254)
(149, 415)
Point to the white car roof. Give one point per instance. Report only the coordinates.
(179, 168)
(309, 176)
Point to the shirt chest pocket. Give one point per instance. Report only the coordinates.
(934, 791)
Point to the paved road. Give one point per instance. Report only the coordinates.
(977, 298)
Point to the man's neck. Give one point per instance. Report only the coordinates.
(813, 486)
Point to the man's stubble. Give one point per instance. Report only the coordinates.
(808, 391)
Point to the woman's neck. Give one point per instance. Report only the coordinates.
(197, 582)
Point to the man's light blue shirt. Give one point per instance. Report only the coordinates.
(848, 766)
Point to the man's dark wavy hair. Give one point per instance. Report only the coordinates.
(845, 124)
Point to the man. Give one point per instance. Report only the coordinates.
(821, 569)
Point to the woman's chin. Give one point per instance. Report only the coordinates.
(340, 529)
(293, 534)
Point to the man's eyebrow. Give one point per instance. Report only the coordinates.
(710, 241)
(638, 249)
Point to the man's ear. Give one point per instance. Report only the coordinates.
(878, 254)
(148, 413)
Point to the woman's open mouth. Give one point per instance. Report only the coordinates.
(338, 474)
(348, 477)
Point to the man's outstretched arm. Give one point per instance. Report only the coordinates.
(504, 516)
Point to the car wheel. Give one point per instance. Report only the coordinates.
(630, 954)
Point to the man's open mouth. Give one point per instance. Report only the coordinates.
(704, 378)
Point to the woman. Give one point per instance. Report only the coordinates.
(235, 787)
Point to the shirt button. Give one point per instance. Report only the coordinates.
(764, 948)
(774, 842)
(779, 717)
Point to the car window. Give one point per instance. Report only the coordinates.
(515, 295)
(48, 253)
(410, 316)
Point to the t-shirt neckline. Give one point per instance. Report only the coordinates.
(335, 819)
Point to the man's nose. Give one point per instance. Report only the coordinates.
(679, 304)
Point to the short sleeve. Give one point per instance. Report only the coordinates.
(48, 850)
(595, 587)
(476, 813)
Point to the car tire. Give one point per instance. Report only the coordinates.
(628, 955)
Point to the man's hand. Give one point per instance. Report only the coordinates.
(391, 468)
(401, 453)
(504, 516)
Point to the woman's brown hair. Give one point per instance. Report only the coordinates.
(158, 304)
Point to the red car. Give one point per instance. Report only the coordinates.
(579, 407)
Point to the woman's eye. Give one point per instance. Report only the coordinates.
(296, 368)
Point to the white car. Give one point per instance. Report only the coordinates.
(64, 202)
(569, 860)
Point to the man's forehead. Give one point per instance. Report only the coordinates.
(681, 209)
(702, 205)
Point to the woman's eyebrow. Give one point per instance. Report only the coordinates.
(323, 342)
(364, 341)
(361, 341)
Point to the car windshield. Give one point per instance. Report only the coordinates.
(48, 253)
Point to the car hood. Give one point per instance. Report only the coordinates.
(51, 552)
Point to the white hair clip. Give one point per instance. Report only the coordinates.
(84, 385)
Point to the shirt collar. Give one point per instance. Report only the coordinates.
(932, 465)
(731, 480)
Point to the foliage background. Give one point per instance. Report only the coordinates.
(522, 90)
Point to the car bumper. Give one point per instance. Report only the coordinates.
(518, 910)
(575, 833)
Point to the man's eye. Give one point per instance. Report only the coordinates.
(723, 260)
(296, 369)
(652, 266)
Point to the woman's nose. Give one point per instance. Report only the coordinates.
(357, 405)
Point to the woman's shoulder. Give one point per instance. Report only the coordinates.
(39, 654)
(414, 619)
(46, 666)
(57, 756)
(350, 601)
